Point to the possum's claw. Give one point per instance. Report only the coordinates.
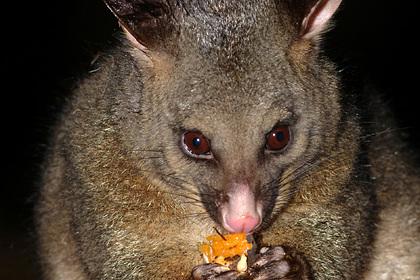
(214, 272)
(270, 263)
(278, 263)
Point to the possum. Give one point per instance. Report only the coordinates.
(225, 114)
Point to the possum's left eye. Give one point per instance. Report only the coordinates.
(196, 145)
(278, 138)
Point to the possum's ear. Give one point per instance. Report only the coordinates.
(318, 18)
(148, 23)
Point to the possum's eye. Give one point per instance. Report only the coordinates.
(278, 138)
(195, 144)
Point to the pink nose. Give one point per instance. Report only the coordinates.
(243, 224)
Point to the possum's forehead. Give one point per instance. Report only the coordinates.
(211, 91)
(203, 87)
(232, 60)
(229, 109)
(228, 27)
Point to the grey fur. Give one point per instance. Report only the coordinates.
(120, 200)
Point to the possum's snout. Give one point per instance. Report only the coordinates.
(241, 212)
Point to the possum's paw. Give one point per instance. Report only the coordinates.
(279, 263)
(269, 264)
(214, 272)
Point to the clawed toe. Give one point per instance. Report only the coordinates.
(214, 272)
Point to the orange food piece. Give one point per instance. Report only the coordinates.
(217, 249)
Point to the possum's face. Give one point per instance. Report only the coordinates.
(238, 140)
(239, 112)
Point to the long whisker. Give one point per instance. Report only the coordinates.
(190, 194)
(309, 164)
(297, 170)
(208, 187)
(148, 150)
(385, 131)
(196, 214)
(151, 157)
(192, 199)
(287, 193)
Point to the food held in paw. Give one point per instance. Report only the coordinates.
(227, 250)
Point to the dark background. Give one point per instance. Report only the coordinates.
(48, 44)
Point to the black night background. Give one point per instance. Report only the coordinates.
(48, 45)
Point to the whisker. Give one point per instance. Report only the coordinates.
(298, 175)
(201, 215)
(180, 186)
(148, 150)
(154, 157)
(192, 195)
(195, 197)
(297, 169)
(191, 198)
(272, 180)
(195, 186)
(285, 194)
(385, 131)
(309, 164)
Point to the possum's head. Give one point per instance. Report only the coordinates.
(235, 98)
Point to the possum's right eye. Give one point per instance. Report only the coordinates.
(196, 145)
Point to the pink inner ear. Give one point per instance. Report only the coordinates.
(317, 19)
(133, 40)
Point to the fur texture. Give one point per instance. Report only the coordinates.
(120, 199)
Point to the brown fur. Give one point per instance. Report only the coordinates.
(121, 201)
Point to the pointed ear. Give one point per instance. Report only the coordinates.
(318, 19)
(148, 23)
